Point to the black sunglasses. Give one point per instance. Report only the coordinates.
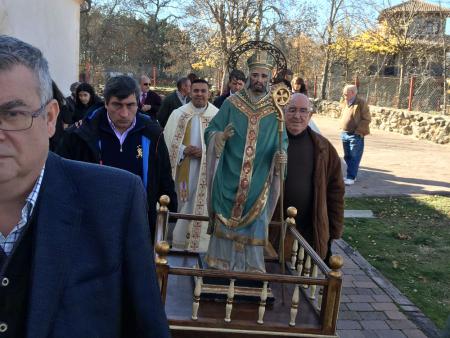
(146, 84)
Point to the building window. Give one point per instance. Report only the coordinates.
(431, 27)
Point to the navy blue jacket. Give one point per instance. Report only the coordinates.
(82, 144)
(152, 98)
(93, 272)
(219, 100)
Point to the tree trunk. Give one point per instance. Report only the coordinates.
(444, 72)
(258, 20)
(326, 70)
(400, 82)
(347, 71)
(223, 81)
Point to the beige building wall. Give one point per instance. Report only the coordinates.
(51, 25)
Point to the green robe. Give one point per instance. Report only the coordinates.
(244, 188)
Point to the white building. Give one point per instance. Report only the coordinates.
(51, 25)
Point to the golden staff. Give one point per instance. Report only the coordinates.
(280, 97)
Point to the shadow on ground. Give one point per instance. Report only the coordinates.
(378, 182)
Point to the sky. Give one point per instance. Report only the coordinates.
(369, 9)
(322, 8)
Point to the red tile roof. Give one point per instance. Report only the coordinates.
(417, 6)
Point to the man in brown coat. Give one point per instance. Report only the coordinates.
(355, 120)
(314, 182)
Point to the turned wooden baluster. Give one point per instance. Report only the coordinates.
(162, 267)
(197, 293)
(262, 304)
(294, 254)
(313, 287)
(229, 305)
(307, 269)
(319, 299)
(294, 306)
(292, 213)
(162, 219)
(301, 257)
(330, 302)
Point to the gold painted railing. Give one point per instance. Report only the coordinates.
(311, 277)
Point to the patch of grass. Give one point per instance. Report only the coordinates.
(409, 243)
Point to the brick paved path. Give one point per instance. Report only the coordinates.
(372, 307)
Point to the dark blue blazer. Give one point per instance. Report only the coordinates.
(93, 272)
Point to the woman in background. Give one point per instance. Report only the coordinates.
(299, 86)
(85, 100)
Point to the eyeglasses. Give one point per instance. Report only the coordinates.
(146, 84)
(17, 120)
(293, 111)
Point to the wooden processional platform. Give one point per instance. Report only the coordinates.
(211, 313)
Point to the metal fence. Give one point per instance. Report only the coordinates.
(424, 94)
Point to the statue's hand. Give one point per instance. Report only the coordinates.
(228, 131)
(222, 137)
(280, 157)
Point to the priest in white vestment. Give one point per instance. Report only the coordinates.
(184, 137)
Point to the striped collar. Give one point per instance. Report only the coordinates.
(7, 243)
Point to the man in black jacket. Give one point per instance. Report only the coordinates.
(236, 82)
(75, 255)
(149, 101)
(174, 100)
(70, 100)
(119, 136)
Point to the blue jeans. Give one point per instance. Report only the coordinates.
(353, 150)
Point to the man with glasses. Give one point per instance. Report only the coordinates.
(117, 135)
(75, 256)
(314, 180)
(149, 101)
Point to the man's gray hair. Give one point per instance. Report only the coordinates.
(350, 87)
(297, 96)
(142, 77)
(181, 82)
(14, 52)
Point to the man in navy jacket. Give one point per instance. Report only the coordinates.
(119, 136)
(149, 101)
(236, 81)
(75, 252)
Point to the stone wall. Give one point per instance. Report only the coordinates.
(435, 128)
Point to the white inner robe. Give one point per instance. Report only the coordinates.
(180, 239)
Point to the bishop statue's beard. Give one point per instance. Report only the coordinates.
(258, 88)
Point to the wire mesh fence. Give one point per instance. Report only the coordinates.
(416, 93)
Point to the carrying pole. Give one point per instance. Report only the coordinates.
(280, 97)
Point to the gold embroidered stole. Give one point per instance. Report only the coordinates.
(177, 140)
(182, 179)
